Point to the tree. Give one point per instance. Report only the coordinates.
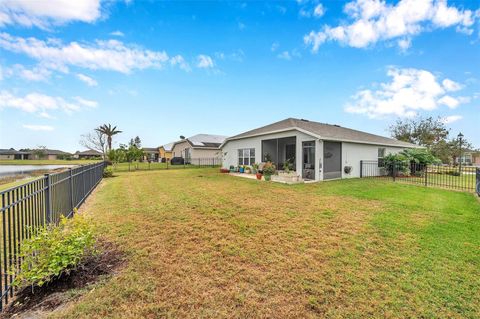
(94, 141)
(424, 131)
(109, 132)
(136, 142)
(40, 152)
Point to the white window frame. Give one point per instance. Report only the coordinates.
(245, 156)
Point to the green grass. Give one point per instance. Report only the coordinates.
(134, 166)
(47, 162)
(202, 244)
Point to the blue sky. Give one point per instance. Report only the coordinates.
(164, 69)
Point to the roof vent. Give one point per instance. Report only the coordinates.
(336, 125)
(304, 120)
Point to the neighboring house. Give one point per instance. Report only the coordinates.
(87, 154)
(469, 157)
(316, 151)
(12, 154)
(48, 154)
(200, 146)
(165, 152)
(151, 154)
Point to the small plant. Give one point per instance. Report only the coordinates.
(108, 172)
(268, 170)
(54, 250)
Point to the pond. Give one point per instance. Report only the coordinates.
(9, 170)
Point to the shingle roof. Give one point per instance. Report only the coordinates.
(204, 141)
(150, 149)
(168, 147)
(323, 131)
(9, 151)
(89, 153)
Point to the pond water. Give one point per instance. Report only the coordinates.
(8, 170)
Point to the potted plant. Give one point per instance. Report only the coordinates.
(248, 170)
(242, 169)
(268, 170)
(254, 168)
(232, 168)
(258, 175)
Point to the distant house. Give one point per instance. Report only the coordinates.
(151, 154)
(24, 154)
(200, 146)
(48, 154)
(165, 152)
(469, 157)
(88, 154)
(315, 151)
(11, 154)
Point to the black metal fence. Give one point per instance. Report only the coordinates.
(466, 178)
(35, 204)
(177, 163)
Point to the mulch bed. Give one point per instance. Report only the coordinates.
(52, 295)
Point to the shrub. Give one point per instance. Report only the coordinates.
(54, 250)
(108, 172)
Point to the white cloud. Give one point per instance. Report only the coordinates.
(86, 79)
(450, 85)
(371, 21)
(85, 102)
(451, 119)
(180, 61)
(204, 61)
(117, 33)
(38, 127)
(110, 55)
(408, 92)
(318, 11)
(40, 103)
(45, 13)
(286, 55)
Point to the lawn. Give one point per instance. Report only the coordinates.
(47, 162)
(202, 244)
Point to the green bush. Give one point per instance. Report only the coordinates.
(54, 250)
(108, 172)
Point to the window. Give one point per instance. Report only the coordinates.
(381, 157)
(246, 156)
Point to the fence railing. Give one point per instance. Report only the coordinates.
(34, 204)
(177, 164)
(466, 178)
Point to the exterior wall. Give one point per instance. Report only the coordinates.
(165, 154)
(230, 149)
(179, 149)
(203, 153)
(7, 157)
(51, 157)
(353, 153)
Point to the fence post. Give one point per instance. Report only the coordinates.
(48, 200)
(426, 175)
(71, 189)
(394, 170)
(361, 168)
(478, 181)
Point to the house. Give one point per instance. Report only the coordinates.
(469, 157)
(200, 146)
(315, 151)
(12, 154)
(46, 154)
(88, 154)
(151, 154)
(165, 152)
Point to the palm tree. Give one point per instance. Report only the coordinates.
(108, 131)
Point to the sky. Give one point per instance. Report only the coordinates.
(161, 69)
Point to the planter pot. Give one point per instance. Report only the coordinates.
(247, 171)
(242, 170)
(254, 171)
(259, 176)
(268, 177)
